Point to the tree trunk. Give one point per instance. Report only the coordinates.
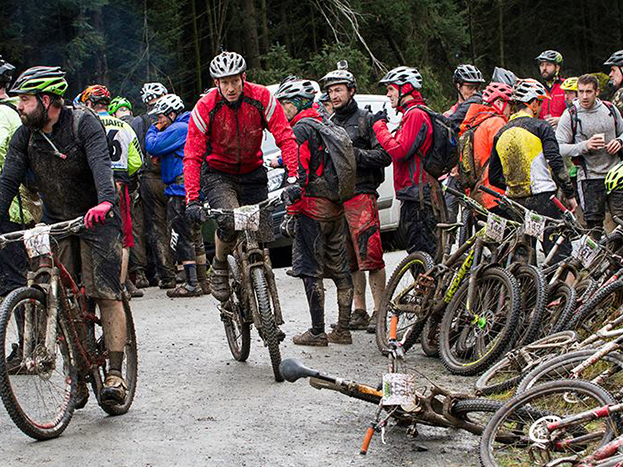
(501, 30)
(198, 84)
(101, 59)
(249, 25)
(472, 42)
(265, 33)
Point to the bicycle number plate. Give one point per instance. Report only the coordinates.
(37, 241)
(495, 227)
(398, 389)
(534, 225)
(247, 218)
(586, 251)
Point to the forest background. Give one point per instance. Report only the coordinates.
(124, 43)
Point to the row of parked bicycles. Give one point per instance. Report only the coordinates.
(544, 335)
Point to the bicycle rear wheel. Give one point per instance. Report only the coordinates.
(269, 331)
(526, 418)
(533, 300)
(470, 339)
(237, 329)
(560, 304)
(38, 389)
(600, 307)
(404, 296)
(129, 368)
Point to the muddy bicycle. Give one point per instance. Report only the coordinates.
(51, 338)
(253, 298)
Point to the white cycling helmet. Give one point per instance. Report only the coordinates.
(403, 75)
(151, 91)
(295, 88)
(527, 89)
(227, 64)
(167, 104)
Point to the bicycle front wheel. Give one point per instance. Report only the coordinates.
(473, 335)
(533, 300)
(269, 331)
(38, 388)
(528, 418)
(237, 328)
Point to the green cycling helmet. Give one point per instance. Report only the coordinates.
(614, 178)
(117, 103)
(41, 79)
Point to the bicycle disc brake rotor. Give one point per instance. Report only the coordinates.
(539, 433)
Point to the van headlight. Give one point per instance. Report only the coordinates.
(275, 179)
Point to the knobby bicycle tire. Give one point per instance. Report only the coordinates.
(560, 368)
(65, 360)
(533, 289)
(267, 318)
(237, 330)
(504, 333)
(560, 304)
(424, 262)
(592, 312)
(131, 364)
(430, 336)
(519, 406)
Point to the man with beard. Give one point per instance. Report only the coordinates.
(550, 63)
(365, 252)
(615, 62)
(66, 151)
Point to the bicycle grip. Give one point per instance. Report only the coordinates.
(561, 207)
(491, 192)
(366, 441)
(393, 327)
(454, 192)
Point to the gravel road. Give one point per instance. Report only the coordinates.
(196, 406)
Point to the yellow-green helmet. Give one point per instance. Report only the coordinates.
(570, 84)
(614, 178)
(41, 79)
(117, 103)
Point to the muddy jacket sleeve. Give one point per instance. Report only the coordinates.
(405, 143)
(92, 133)
(281, 130)
(14, 169)
(496, 171)
(375, 157)
(195, 149)
(551, 151)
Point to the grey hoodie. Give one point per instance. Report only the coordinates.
(598, 119)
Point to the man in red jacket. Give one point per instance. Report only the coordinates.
(226, 131)
(407, 147)
(550, 63)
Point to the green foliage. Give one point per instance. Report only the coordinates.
(358, 64)
(278, 64)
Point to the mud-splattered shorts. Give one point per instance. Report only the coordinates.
(319, 248)
(179, 229)
(228, 191)
(365, 251)
(95, 255)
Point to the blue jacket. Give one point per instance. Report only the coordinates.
(168, 145)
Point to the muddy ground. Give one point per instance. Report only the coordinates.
(196, 406)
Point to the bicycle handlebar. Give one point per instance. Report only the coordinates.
(266, 204)
(60, 228)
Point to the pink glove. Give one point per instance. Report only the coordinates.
(97, 214)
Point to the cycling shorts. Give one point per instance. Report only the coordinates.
(365, 251)
(95, 256)
(179, 229)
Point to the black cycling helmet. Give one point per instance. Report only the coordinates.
(616, 59)
(467, 74)
(501, 75)
(6, 71)
(551, 56)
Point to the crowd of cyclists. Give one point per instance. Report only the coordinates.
(141, 181)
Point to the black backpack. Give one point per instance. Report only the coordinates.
(469, 175)
(443, 155)
(338, 146)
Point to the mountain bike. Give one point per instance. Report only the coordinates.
(253, 298)
(51, 339)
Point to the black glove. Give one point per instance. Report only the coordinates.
(291, 194)
(288, 226)
(195, 213)
(381, 115)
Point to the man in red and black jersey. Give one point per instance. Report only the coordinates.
(319, 248)
(226, 130)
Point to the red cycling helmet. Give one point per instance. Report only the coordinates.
(97, 94)
(497, 91)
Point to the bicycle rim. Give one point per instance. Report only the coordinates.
(38, 389)
(237, 331)
(527, 415)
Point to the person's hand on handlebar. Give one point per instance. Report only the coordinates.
(195, 213)
(572, 204)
